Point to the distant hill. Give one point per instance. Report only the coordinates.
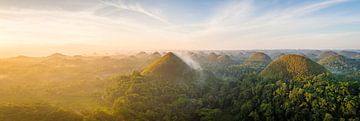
(57, 56)
(212, 57)
(339, 64)
(357, 57)
(258, 58)
(169, 67)
(313, 54)
(225, 59)
(326, 54)
(142, 54)
(350, 54)
(21, 58)
(277, 55)
(289, 66)
(155, 55)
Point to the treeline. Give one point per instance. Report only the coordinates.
(249, 98)
(36, 112)
(322, 97)
(240, 94)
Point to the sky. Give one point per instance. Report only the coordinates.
(40, 27)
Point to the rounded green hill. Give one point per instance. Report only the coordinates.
(326, 54)
(258, 58)
(224, 59)
(339, 64)
(169, 67)
(290, 66)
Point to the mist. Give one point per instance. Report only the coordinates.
(186, 57)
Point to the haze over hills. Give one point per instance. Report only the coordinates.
(350, 54)
(211, 84)
(179, 60)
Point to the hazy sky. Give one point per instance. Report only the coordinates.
(83, 26)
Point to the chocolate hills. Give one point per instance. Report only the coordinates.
(157, 54)
(278, 55)
(154, 56)
(258, 58)
(142, 54)
(326, 54)
(339, 64)
(56, 56)
(350, 54)
(169, 67)
(226, 59)
(290, 66)
(213, 56)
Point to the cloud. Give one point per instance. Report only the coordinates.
(235, 10)
(238, 24)
(67, 5)
(136, 7)
(244, 14)
(244, 22)
(24, 31)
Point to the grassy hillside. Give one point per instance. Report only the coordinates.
(289, 66)
(258, 58)
(169, 67)
(326, 54)
(111, 88)
(339, 64)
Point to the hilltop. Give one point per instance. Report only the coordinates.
(154, 56)
(289, 66)
(339, 64)
(212, 56)
(326, 54)
(224, 59)
(258, 58)
(350, 54)
(169, 67)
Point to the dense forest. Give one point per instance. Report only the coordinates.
(269, 85)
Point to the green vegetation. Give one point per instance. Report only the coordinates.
(258, 58)
(350, 54)
(292, 87)
(253, 65)
(169, 67)
(136, 97)
(36, 112)
(74, 83)
(290, 66)
(226, 59)
(326, 54)
(339, 64)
